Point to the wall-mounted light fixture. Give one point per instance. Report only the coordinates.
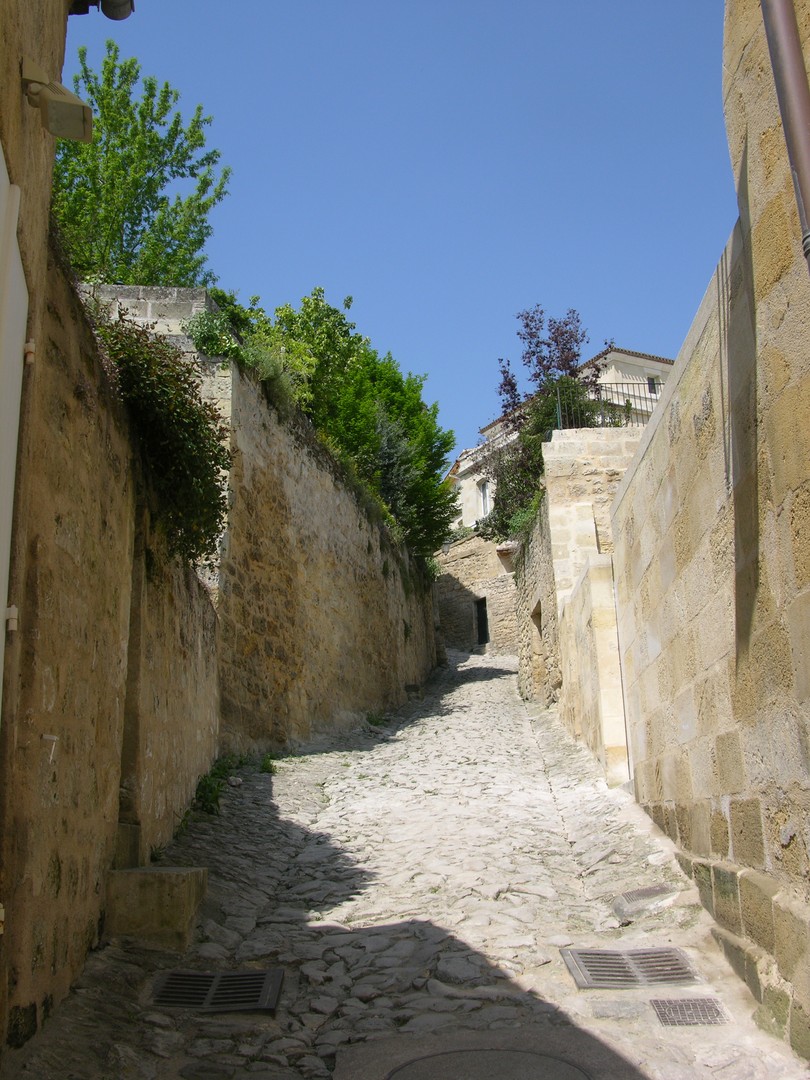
(113, 9)
(63, 114)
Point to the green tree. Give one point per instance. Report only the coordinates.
(122, 201)
(376, 416)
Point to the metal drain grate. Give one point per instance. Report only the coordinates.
(637, 967)
(219, 991)
(688, 1012)
(650, 892)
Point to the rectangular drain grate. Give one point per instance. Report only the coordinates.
(636, 967)
(650, 892)
(688, 1012)
(219, 991)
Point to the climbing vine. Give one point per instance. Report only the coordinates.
(183, 438)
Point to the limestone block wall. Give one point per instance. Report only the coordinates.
(566, 611)
(65, 670)
(35, 30)
(539, 672)
(583, 468)
(473, 570)
(591, 704)
(713, 571)
(323, 618)
(675, 576)
(83, 666)
(65, 673)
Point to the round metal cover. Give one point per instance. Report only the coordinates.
(486, 1064)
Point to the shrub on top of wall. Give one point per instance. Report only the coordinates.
(183, 438)
(370, 414)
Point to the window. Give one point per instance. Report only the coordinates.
(483, 498)
(652, 386)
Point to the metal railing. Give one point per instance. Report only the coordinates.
(614, 404)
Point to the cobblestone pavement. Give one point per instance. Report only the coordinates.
(416, 880)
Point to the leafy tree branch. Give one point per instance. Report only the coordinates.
(122, 201)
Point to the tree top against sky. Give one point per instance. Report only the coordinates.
(134, 204)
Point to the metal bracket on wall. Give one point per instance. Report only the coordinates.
(12, 617)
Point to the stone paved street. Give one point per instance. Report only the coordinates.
(416, 881)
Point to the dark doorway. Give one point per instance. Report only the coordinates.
(481, 618)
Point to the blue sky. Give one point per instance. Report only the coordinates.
(449, 163)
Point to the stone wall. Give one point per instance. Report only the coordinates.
(675, 578)
(34, 28)
(65, 671)
(168, 310)
(171, 707)
(473, 570)
(108, 678)
(539, 674)
(713, 569)
(591, 704)
(566, 610)
(583, 468)
(323, 618)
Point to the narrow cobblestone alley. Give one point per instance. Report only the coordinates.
(416, 881)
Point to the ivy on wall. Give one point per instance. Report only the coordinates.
(183, 438)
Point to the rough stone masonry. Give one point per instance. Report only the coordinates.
(416, 880)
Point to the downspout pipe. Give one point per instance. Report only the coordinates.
(793, 94)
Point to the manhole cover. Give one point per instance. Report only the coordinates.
(486, 1065)
(637, 967)
(221, 991)
(688, 1012)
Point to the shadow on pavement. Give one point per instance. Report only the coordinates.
(362, 999)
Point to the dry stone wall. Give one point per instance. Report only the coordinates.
(474, 570)
(323, 618)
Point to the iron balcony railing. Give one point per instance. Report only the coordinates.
(613, 404)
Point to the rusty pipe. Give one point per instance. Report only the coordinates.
(793, 94)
